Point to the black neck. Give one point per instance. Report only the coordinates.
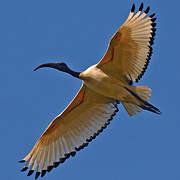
(60, 67)
(73, 73)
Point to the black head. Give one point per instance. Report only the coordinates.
(59, 66)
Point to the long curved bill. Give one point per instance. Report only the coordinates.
(50, 65)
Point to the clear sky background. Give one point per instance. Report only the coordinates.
(145, 147)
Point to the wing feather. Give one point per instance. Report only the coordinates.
(130, 48)
(86, 116)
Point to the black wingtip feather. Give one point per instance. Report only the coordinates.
(73, 153)
(56, 164)
(62, 160)
(43, 173)
(97, 133)
(153, 19)
(100, 131)
(152, 15)
(116, 110)
(30, 172)
(89, 140)
(24, 169)
(104, 126)
(153, 25)
(22, 161)
(154, 29)
(111, 119)
(49, 168)
(77, 148)
(37, 175)
(67, 156)
(133, 8)
(141, 7)
(94, 136)
(85, 144)
(151, 41)
(147, 10)
(153, 34)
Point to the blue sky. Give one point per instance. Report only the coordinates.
(77, 32)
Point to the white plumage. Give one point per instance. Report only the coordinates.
(104, 85)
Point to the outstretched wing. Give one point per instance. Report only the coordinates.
(86, 116)
(130, 48)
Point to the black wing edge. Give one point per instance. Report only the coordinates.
(73, 153)
(151, 41)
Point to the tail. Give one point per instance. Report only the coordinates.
(137, 99)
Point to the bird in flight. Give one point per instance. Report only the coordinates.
(104, 85)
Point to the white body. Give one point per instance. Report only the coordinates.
(104, 85)
(95, 79)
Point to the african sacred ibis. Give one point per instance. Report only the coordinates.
(104, 85)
